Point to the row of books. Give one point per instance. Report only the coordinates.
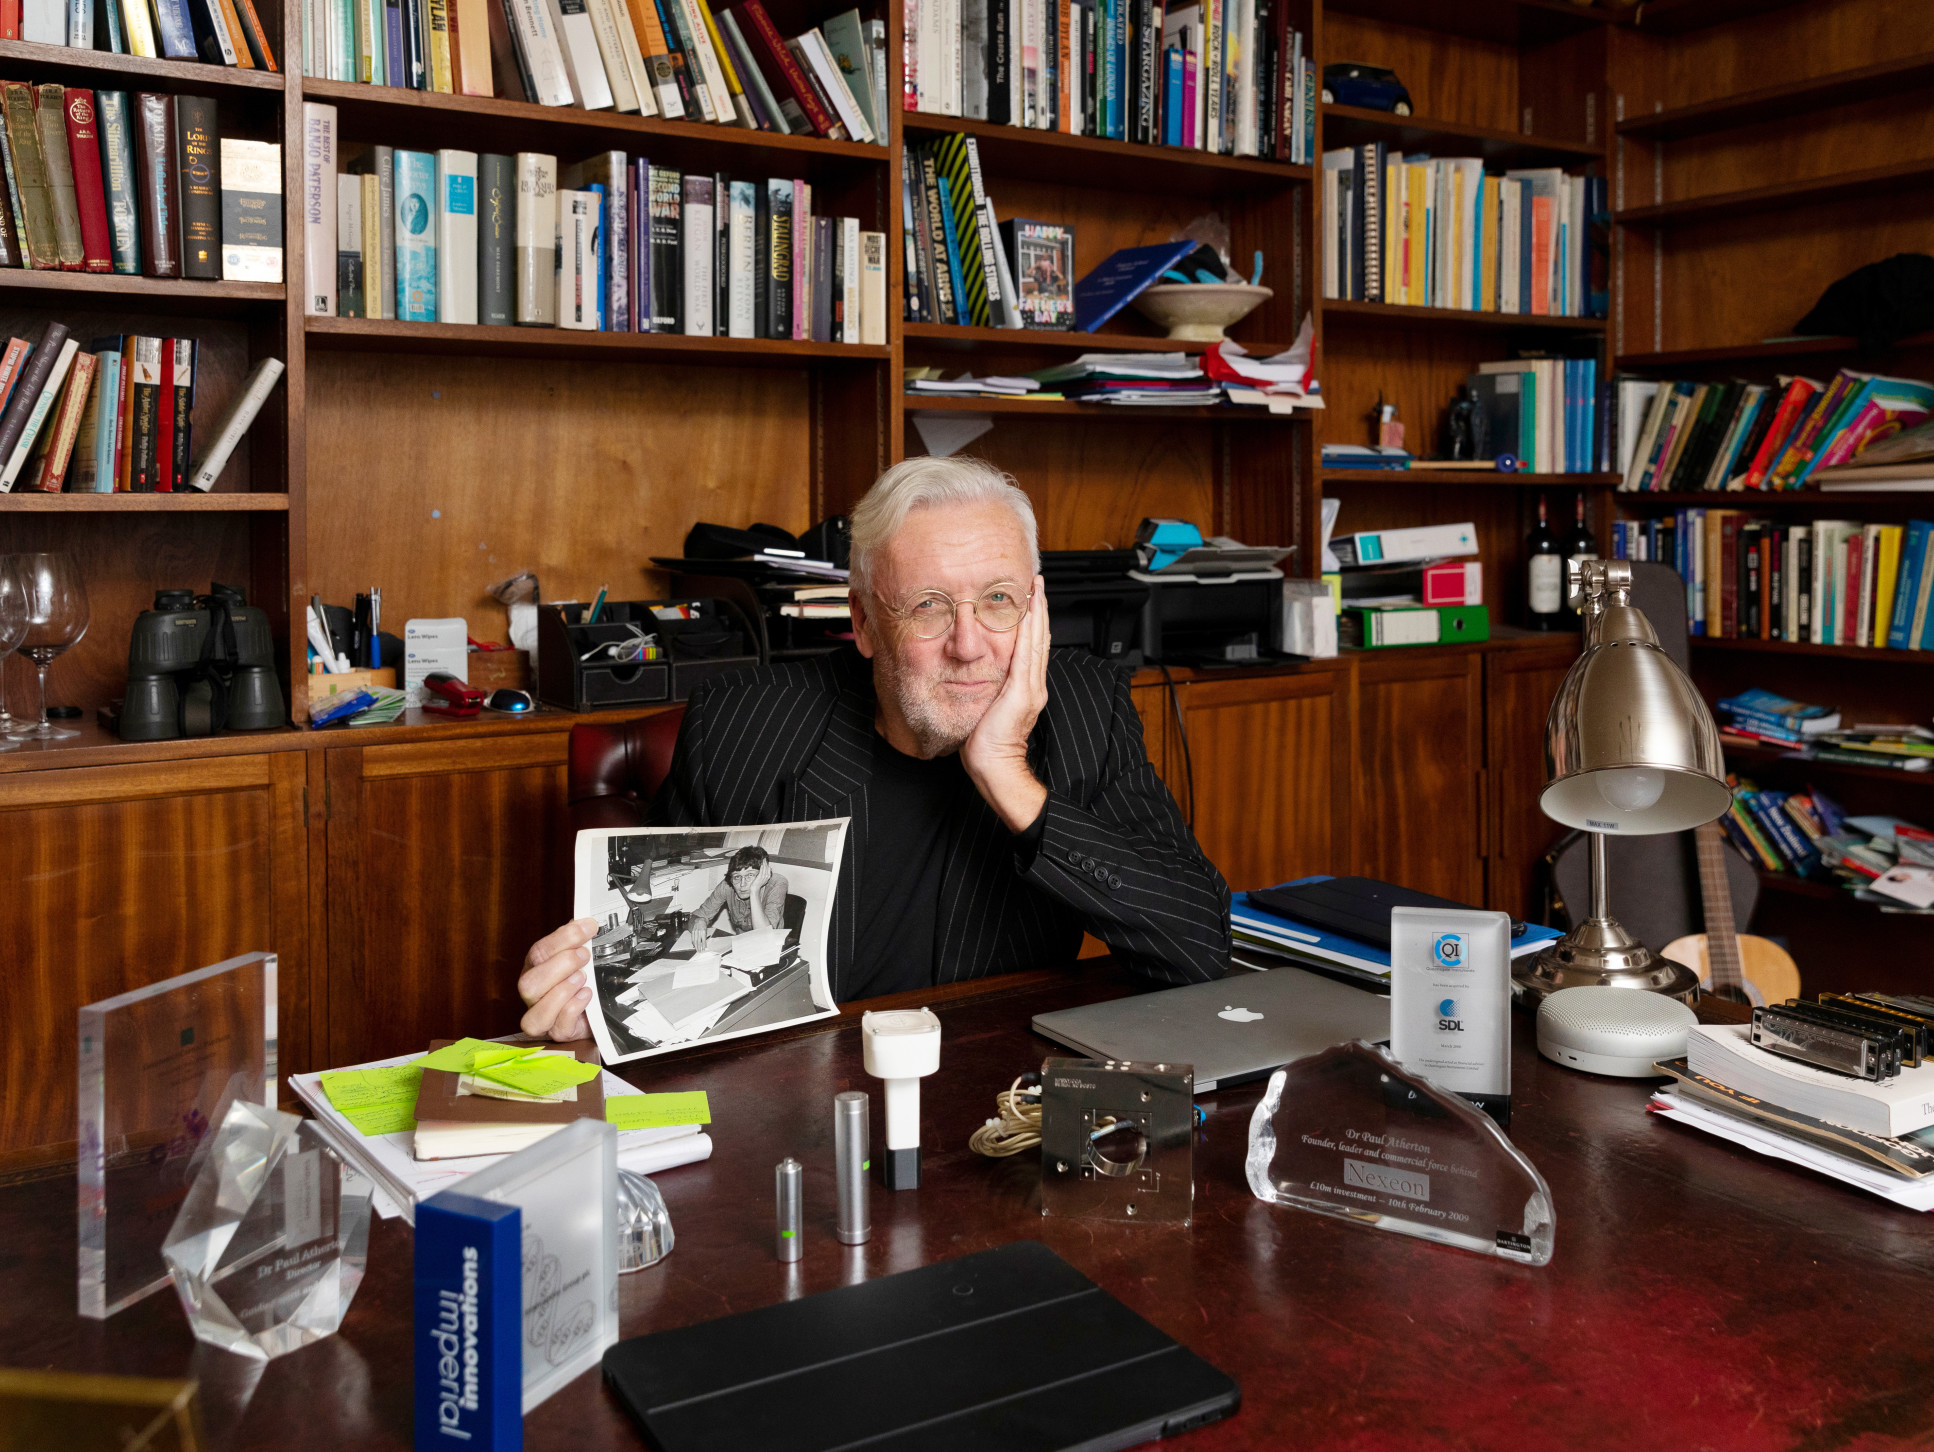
(672, 58)
(219, 32)
(1806, 834)
(1229, 77)
(115, 417)
(1815, 732)
(1545, 411)
(105, 182)
(1823, 582)
(614, 243)
(963, 264)
(1442, 232)
(1735, 435)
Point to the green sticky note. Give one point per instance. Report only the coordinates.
(376, 1101)
(460, 1057)
(544, 1074)
(657, 1111)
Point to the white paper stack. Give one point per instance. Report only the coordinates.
(402, 1180)
(1914, 1194)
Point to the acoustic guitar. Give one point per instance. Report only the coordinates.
(1734, 965)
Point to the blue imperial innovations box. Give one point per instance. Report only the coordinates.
(469, 1324)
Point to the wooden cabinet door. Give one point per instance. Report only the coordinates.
(1267, 758)
(120, 876)
(1518, 689)
(1419, 770)
(446, 861)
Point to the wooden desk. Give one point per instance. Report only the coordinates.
(1700, 1296)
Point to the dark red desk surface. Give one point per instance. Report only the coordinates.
(1701, 1296)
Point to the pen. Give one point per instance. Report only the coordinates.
(597, 606)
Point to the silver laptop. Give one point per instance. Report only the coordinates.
(1235, 1029)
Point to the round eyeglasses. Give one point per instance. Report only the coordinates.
(930, 614)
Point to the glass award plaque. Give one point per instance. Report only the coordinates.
(566, 1188)
(159, 1067)
(1349, 1133)
(269, 1247)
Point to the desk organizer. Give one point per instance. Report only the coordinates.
(694, 638)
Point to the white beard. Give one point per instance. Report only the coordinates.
(939, 725)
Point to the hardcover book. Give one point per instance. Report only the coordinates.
(496, 239)
(181, 384)
(37, 415)
(84, 148)
(697, 237)
(27, 388)
(380, 162)
(34, 202)
(456, 194)
(416, 237)
(198, 165)
(536, 224)
(251, 176)
(349, 246)
(577, 259)
(318, 205)
(667, 262)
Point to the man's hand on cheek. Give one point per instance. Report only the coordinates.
(995, 756)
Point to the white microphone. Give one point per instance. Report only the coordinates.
(902, 1047)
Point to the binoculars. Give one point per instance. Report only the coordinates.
(198, 665)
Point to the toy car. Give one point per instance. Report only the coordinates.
(1371, 87)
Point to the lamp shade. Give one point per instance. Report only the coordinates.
(1630, 748)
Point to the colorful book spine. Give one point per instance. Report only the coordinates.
(416, 237)
(456, 200)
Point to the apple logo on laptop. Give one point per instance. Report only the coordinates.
(1239, 1015)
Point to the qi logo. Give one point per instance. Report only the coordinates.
(1239, 1015)
(1448, 950)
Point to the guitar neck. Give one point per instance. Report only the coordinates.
(1722, 937)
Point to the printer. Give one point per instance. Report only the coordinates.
(1093, 603)
(1210, 601)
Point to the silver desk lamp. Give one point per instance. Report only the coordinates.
(1630, 749)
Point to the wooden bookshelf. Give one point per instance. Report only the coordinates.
(1758, 757)
(1051, 156)
(1845, 186)
(1772, 350)
(475, 340)
(103, 67)
(1397, 315)
(1352, 126)
(1865, 653)
(192, 502)
(1891, 77)
(97, 289)
(1472, 478)
(1870, 500)
(1074, 408)
(952, 337)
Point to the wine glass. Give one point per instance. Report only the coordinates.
(56, 620)
(13, 630)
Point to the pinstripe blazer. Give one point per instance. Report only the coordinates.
(794, 742)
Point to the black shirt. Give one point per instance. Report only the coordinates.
(912, 806)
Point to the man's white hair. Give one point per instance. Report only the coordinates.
(920, 483)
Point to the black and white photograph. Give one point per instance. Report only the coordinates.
(706, 933)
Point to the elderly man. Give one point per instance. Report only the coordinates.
(1001, 797)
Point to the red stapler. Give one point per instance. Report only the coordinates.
(448, 696)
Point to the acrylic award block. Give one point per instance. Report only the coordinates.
(270, 1245)
(566, 1186)
(1351, 1134)
(159, 1067)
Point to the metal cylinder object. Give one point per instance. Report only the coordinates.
(850, 1113)
(787, 1176)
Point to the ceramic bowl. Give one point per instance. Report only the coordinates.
(1197, 312)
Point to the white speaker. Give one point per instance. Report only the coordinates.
(1619, 1031)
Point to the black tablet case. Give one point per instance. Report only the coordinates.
(1010, 1348)
(1356, 907)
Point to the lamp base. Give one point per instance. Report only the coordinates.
(1598, 953)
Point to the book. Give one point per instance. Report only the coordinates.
(34, 204)
(456, 229)
(251, 180)
(743, 259)
(39, 410)
(769, 50)
(318, 203)
(1900, 1106)
(458, 1115)
(181, 384)
(833, 86)
(48, 470)
(470, 55)
(696, 224)
(872, 288)
(577, 270)
(496, 239)
(254, 34)
(234, 423)
(197, 166)
(846, 43)
(665, 203)
(84, 151)
(578, 46)
(379, 165)
(535, 220)
(93, 470)
(214, 41)
(416, 237)
(349, 246)
(539, 53)
(1041, 255)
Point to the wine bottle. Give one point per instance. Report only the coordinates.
(1580, 545)
(1545, 576)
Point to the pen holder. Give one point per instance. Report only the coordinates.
(689, 640)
